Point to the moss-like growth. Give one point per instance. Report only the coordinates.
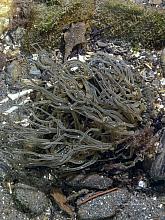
(128, 21)
(5, 14)
(48, 20)
(131, 22)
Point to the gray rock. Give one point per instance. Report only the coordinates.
(101, 44)
(59, 216)
(140, 207)
(34, 71)
(29, 200)
(155, 2)
(7, 210)
(93, 181)
(103, 207)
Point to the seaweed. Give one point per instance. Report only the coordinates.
(82, 112)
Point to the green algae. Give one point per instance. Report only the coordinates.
(48, 21)
(133, 23)
(128, 21)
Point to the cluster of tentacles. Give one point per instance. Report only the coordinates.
(81, 112)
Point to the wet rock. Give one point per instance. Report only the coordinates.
(58, 215)
(155, 2)
(29, 200)
(6, 7)
(140, 207)
(74, 36)
(34, 71)
(140, 1)
(101, 44)
(103, 207)
(93, 181)
(7, 209)
(15, 70)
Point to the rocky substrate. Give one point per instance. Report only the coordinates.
(28, 194)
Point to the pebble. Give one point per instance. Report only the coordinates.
(121, 204)
(140, 207)
(101, 44)
(93, 181)
(58, 215)
(103, 207)
(7, 209)
(34, 71)
(30, 200)
(15, 70)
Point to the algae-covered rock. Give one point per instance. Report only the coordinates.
(132, 22)
(5, 14)
(49, 20)
(128, 21)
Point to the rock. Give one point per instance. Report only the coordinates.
(15, 70)
(59, 216)
(121, 204)
(140, 1)
(103, 207)
(93, 181)
(29, 200)
(7, 210)
(101, 44)
(34, 71)
(140, 207)
(74, 36)
(5, 12)
(155, 2)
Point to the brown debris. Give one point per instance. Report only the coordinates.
(97, 195)
(61, 200)
(74, 36)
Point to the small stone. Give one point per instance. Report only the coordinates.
(29, 200)
(103, 207)
(7, 209)
(34, 71)
(155, 2)
(101, 44)
(58, 215)
(140, 207)
(93, 181)
(15, 70)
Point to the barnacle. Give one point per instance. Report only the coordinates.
(82, 113)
